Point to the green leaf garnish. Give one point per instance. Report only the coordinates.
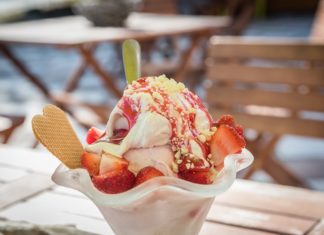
(131, 59)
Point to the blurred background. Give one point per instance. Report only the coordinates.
(264, 55)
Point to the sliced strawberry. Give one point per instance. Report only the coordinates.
(94, 134)
(239, 129)
(118, 136)
(225, 120)
(205, 176)
(225, 141)
(110, 162)
(91, 162)
(147, 173)
(229, 120)
(117, 181)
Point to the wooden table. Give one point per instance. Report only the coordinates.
(27, 193)
(77, 33)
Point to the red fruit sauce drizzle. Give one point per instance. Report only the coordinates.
(131, 109)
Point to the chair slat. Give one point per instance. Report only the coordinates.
(229, 47)
(291, 100)
(276, 125)
(292, 76)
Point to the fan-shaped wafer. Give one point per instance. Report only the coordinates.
(55, 132)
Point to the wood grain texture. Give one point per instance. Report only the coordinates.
(265, 48)
(23, 188)
(221, 229)
(287, 77)
(318, 229)
(8, 174)
(264, 221)
(50, 209)
(279, 125)
(76, 30)
(253, 96)
(28, 159)
(280, 75)
(277, 199)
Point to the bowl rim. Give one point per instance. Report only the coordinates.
(80, 180)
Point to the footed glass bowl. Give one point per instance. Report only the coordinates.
(160, 206)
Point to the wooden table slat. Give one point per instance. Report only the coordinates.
(221, 229)
(22, 188)
(76, 30)
(259, 220)
(318, 229)
(275, 198)
(50, 208)
(27, 159)
(8, 174)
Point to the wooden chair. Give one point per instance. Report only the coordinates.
(7, 126)
(271, 87)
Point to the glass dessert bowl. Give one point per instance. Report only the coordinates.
(159, 163)
(160, 206)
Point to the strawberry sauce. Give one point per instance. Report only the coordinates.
(171, 100)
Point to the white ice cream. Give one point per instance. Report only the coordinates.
(162, 125)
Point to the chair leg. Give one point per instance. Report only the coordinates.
(74, 79)
(261, 151)
(107, 79)
(185, 59)
(15, 122)
(281, 174)
(265, 160)
(22, 68)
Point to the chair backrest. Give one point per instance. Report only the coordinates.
(159, 6)
(272, 86)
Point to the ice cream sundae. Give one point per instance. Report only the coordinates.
(161, 160)
(159, 128)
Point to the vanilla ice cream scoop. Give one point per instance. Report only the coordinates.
(156, 112)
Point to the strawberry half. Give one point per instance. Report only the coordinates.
(117, 181)
(147, 173)
(110, 162)
(91, 162)
(200, 176)
(239, 129)
(94, 134)
(226, 140)
(225, 120)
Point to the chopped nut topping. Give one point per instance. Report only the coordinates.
(202, 138)
(184, 150)
(174, 167)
